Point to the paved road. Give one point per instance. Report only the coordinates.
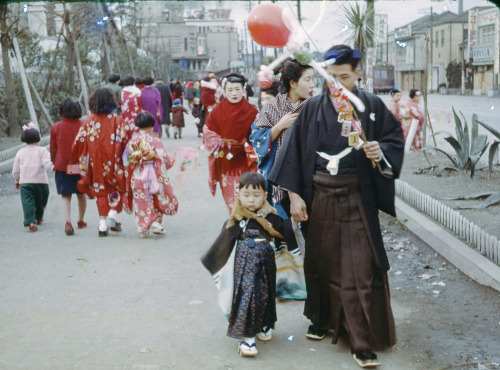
(127, 303)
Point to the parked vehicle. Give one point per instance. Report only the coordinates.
(383, 78)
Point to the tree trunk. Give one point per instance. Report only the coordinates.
(27, 93)
(12, 108)
(70, 57)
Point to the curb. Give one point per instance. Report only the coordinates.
(459, 254)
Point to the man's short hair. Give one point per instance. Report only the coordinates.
(114, 77)
(343, 54)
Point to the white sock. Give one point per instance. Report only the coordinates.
(103, 225)
(250, 341)
(156, 224)
(112, 213)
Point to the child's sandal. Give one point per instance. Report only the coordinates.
(247, 350)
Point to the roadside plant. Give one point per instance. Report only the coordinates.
(494, 145)
(468, 146)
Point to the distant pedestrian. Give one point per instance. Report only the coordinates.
(150, 186)
(189, 92)
(166, 102)
(131, 104)
(98, 149)
(139, 83)
(30, 175)
(177, 93)
(394, 104)
(62, 136)
(113, 85)
(178, 112)
(196, 111)
(268, 94)
(413, 112)
(151, 102)
(247, 237)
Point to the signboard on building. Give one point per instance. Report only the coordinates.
(482, 55)
(402, 32)
(410, 53)
(472, 27)
(381, 27)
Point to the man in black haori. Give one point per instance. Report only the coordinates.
(336, 192)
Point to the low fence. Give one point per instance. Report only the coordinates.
(486, 244)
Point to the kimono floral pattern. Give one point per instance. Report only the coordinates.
(97, 149)
(150, 189)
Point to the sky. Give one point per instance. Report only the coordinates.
(330, 30)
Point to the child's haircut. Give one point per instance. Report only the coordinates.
(144, 120)
(254, 179)
(70, 108)
(30, 136)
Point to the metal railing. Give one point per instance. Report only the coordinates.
(486, 244)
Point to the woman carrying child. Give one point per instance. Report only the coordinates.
(30, 174)
(150, 186)
(225, 134)
(62, 135)
(252, 226)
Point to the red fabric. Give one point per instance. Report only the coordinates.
(144, 149)
(394, 108)
(207, 96)
(98, 149)
(131, 106)
(226, 131)
(177, 94)
(62, 135)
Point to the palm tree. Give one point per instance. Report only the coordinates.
(360, 22)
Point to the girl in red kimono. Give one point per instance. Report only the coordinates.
(226, 134)
(150, 186)
(98, 149)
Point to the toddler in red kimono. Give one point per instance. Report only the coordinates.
(149, 185)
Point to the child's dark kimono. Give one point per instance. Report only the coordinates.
(254, 294)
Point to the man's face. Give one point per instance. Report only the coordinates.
(233, 92)
(344, 74)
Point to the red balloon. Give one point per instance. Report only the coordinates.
(266, 26)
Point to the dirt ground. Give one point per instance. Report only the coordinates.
(441, 182)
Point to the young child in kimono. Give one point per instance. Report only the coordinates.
(30, 174)
(149, 185)
(251, 229)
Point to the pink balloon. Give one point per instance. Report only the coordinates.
(266, 26)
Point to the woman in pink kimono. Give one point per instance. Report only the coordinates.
(149, 183)
(413, 112)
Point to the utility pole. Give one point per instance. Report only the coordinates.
(246, 46)
(432, 47)
(299, 12)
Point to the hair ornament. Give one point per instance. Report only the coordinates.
(30, 126)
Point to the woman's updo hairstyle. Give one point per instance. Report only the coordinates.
(292, 71)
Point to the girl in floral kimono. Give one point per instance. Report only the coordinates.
(149, 183)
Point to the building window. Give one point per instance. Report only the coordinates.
(487, 34)
(437, 39)
(442, 38)
(185, 43)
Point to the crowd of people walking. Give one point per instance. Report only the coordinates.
(296, 164)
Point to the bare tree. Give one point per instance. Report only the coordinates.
(12, 107)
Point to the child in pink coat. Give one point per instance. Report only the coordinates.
(30, 174)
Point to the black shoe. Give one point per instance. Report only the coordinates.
(175, 135)
(314, 332)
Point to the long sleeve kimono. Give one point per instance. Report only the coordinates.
(98, 149)
(131, 106)
(248, 237)
(150, 186)
(225, 134)
(151, 102)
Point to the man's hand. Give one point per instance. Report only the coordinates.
(298, 208)
(372, 150)
(18, 186)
